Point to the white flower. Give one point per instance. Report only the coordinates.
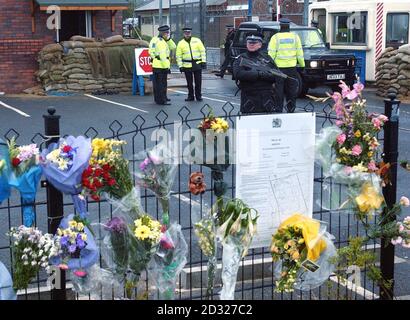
(25, 263)
(33, 263)
(24, 257)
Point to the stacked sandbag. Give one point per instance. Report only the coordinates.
(393, 72)
(86, 65)
(51, 69)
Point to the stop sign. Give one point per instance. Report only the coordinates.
(143, 62)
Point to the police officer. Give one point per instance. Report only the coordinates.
(160, 49)
(227, 48)
(191, 59)
(256, 86)
(285, 48)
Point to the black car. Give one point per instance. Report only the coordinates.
(323, 66)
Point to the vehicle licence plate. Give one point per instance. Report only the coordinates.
(336, 76)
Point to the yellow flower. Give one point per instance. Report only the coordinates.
(219, 125)
(84, 237)
(274, 249)
(59, 232)
(301, 240)
(80, 226)
(366, 137)
(138, 223)
(358, 134)
(369, 199)
(360, 167)
(72, 224)
(370, 154)
(142, 232)
(295, 255)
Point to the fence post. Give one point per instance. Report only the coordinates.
(55, 210)
(391, 142)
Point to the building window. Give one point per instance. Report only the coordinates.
(397, 29)
(350, 28)
(164, 20)
(146, 20)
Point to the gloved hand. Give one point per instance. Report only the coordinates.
(181, 70)
(203, 65)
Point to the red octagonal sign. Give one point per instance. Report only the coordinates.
(144, 65)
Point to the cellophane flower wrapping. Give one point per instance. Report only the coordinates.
(83, 255)
(63, 164)
(236, 228)
(302, 251)
(5, 171)
(168, 261)
(205, 230)
(156, 171)
(210, 146)
(25, 176)
(127, 246)
(99, 283)
(6, 284)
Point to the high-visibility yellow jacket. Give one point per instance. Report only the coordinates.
(189, 51)
(285, 48)
(160, 50)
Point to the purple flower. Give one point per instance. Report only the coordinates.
(116, 224)
(80, 243)
(64, 241)
(72, 248)
(144, 164)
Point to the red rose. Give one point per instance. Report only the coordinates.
(95, 197)
(111, 182)
(67, 149)
(106, 167)
(98, 172)
(98, 184)
(15, 162)
(106, 176)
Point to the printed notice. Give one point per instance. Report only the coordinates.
(275, 168)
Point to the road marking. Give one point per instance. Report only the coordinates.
(204, 97)
(15, 110)
(116, 103)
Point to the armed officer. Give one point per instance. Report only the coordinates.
(230, 35)
(191, 59)
(252, 70)
(160, 49)
(285, 48)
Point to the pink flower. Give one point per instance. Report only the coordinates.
(348, 170)
(376, 123)
(357, 150)
(396, 241)
(383, 118)
(337, 97)
(166, 243)
(353, 94)
(358, 87)
(401, 228)
(80, 273)
(155, 160)
(341, 138)
(404, 201)
(339, 123)
(345, 89)
(372, 166)
(63, 266)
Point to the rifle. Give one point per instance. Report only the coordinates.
(263, 65)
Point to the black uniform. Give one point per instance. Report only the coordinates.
(227, 48)
(160, 85)
(257, 95)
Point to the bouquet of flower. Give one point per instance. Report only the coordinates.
(205, 230)
(211, 149)
(348, 151)
(168, 261)
(236, 228)
(31, 251)
(6, 284)
(4, 171)
(25, 176)
(156, 172)
(63, 165)
(144, 238)
(301, 249)
(78, 249)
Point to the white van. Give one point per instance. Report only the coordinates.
(363, 27)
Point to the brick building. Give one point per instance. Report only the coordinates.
(23, 32)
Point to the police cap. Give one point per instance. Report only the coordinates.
(284, 21)
(187, 29)
(163, 28)
(254, 37)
